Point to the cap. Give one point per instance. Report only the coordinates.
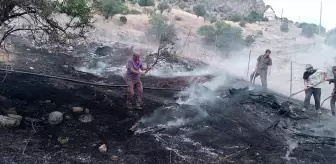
(308, 66)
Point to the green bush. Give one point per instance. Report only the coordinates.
(111, 7)
(308, 31)
(331, 38)
(146, 3)
(264, 19)
(249, 40)
(123, 19)
(212, 19)
(161, 30)
(235, 18)
(223, 35)
(133, 1)
(253, 17)
(162, 6)
(284, 26)
(134, 12)
(199, 10)
(242, 24)
(259, 32)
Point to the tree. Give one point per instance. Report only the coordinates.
(199, 10)
(109, 8)
(40, 19)
(223, 35)
(254, 16)
(123, 19)
(161, 30)
(162, 6)
(242, 24)
(146, 3)
(308, 31)
(235, 18)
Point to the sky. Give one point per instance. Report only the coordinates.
(306, 11)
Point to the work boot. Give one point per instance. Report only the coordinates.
(138, 107)
(319, 111)
(304, 109)
(129, 106)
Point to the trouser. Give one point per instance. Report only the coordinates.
(332, 103)
(263, 77)
(316, 92)
(134, 84)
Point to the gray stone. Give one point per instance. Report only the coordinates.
(55, 118)
(77, 109)
(85, 118)
(10, 121)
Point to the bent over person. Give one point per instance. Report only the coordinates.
(134, 67)
(263, 62)
(312, 80)
(333, 94)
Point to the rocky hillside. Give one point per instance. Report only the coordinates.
(223, 8)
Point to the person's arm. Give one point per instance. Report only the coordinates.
(131, 68)
(258, 60)
(270, 67)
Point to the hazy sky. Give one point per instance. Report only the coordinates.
(306, 11)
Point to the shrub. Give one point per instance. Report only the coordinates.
(253, 17)
(178, 18)
(264, 19)
(331, 38)
(284, 26)
(146, 3)
(212, 19)
(134, 12)
(123, 19)
(133, 1)
(249, 40)
(223, 35)
(199, 10)
(308, 31)
(160, 29)
(235, 18)
(259, 32)
(111, 7)
(162, 6)
(242, 24)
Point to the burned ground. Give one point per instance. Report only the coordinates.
(232, 126)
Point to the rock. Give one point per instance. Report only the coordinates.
(85, 118)
(87, 110)
(77, 109)
(55, 118)
(31, 67)
(102, 148)
(104, 51)
(114, 158)
(67, 117)
(10, 121)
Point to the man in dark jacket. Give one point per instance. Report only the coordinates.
(333, 98)
(263, 62)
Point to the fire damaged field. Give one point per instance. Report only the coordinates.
(229, 124)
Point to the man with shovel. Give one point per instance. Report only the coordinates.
(312, 79)
(134, 68)
(263, 62)
(333, 94)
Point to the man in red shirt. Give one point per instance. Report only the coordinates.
(134, 72)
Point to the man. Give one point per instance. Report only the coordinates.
(134, 68)
(263, 62)
(333, 94)
(312, 79)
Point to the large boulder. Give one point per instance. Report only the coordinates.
(104, 51)
(55, 118)
(11, 120)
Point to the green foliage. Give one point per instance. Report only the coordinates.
(223, 35)
(331, 38)
(133, 1)
(109, 8)
(162, 6)
(284, 26)
(63, 140)
(77, 9)
(242, 24)
(134, 12)
(259, 32)
(199, 10)
(249, 40)
(308, 31)
(161, 30)
(123, 19)
(146, 2)
(236, 18)
(254, 16)
(212, 19)
(264, 19)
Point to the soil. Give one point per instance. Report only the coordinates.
(241, 125)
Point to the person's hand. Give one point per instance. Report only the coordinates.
(305, 88)
(149, 68)
(141, 73)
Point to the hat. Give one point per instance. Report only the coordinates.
(136, 51)
(308, 66)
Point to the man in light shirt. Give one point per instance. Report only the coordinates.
(312, 79)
